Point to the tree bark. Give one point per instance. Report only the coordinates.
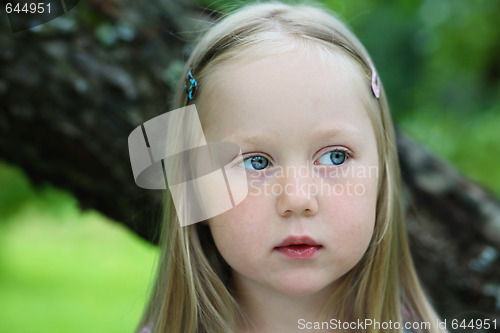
(72, 91)
(454, 228)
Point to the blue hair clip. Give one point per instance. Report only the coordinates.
(193, 86)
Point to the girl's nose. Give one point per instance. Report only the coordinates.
(298, 196)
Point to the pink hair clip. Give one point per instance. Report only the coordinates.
(375, 80)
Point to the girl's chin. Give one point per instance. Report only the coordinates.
(300, 291)
(303, 288)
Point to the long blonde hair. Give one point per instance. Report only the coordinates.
(190, 293)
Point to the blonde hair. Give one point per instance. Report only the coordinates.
(190, 293)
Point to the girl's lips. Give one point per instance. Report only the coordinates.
(298, 240)
(299, 251)
(299, 247)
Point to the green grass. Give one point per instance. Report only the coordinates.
(62, 270)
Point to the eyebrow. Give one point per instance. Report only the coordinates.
(327, 132)
(255, 139)
(345, 131)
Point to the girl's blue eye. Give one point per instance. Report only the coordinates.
(255, 163)
(335, 157)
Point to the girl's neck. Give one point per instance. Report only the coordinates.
(266, 311)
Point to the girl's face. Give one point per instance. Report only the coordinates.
(311, 159)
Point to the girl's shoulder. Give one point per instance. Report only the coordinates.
(147, 329)
(407, 317)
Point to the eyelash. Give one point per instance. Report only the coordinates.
(347, 152)
(249, 156)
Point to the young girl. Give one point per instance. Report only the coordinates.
(318, 244)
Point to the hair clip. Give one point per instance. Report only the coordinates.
(375, 80)
(193, 85)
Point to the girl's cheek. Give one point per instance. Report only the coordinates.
(240, 232)
(351, 200)
(243, 218)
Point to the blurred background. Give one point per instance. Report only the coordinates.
(77, 239)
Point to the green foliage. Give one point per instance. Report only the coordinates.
(14, 193)
(472, 143)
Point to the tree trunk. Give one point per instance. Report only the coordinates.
(454, 230)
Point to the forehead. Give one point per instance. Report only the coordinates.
(283, 93)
